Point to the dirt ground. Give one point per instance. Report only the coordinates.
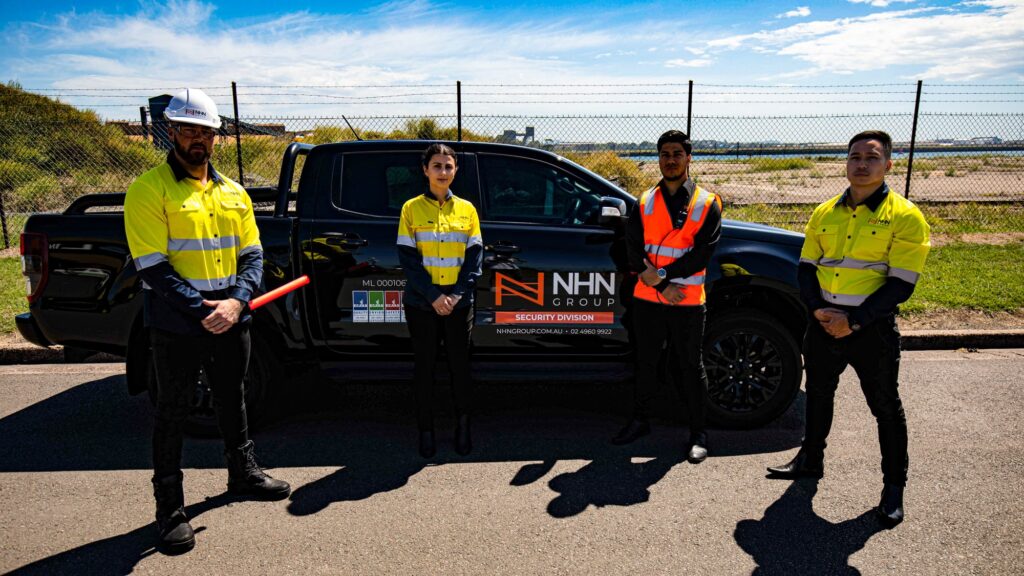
(953, 179)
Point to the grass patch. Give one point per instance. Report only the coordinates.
(950, 218)
(973, 276)
(12, 293)
(779, 164)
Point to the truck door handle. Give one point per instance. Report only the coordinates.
(345, 240)
(502, 248)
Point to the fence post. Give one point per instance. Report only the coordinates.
(145, 126)
(238, 134)
(913, 140)
(458, 105)
(3, 220)
(689, 109)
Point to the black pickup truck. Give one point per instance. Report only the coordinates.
(555, 285)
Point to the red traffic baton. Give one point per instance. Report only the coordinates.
(278, 292)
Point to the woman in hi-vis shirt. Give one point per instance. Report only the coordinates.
(441, 251)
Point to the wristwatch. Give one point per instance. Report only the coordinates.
(662, 273)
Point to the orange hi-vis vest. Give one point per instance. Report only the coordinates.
(665, 244)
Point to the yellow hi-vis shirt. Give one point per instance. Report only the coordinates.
(855, 250)
(200, 230)
(440, 234)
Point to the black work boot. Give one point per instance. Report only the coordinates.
(804, 465)
(176, 535)
(246, 478)
(427, 445)
(633, 430)
(463, 440)
(890, 508)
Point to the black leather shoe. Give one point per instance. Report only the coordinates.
(427, 446)
(697, 453)
(631, 432)
(463, 440)
(890, 509)
(802, 466)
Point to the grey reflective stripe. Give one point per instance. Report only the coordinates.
(183, 244)
(442, 262)
(854, 264)
(250, 248)
(904, 274)
(809, 261)
(666, 251)
(149, 260)
(459, 237)
(404, 240)
(212, 283)
(475, 240)
(698, 207)
(689, 280)
(843, 299)
(649, 202)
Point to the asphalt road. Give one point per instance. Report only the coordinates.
(542, 494)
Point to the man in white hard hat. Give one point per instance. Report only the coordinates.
(195, 245)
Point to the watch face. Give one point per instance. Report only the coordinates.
(662, 273)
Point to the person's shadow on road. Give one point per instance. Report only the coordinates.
(792, 539)
(117, 554)
(607, 481)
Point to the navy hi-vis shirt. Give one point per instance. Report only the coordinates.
(440, 249)
(190, 243)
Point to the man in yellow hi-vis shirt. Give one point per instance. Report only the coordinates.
(862, 256)
(194, 243)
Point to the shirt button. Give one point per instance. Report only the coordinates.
(837, 273)
(848, 237)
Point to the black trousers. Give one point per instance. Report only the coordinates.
(428, 329)
(177, 358)
(683, 328)
(874, 353)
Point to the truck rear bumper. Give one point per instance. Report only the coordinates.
(30, 330)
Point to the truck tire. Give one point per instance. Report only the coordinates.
(260, 383)
(754, 368)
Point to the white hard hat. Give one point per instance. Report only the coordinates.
(192, 106)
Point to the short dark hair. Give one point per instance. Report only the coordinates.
(882, 137)
(678, 137)
(438, 148)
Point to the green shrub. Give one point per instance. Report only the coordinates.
(778, 164)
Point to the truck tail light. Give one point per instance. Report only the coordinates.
(34, 252)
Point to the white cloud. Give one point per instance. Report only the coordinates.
(799, 12)
(940, 44)
(878, 3)
(683, 63)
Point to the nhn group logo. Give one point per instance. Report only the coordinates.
(576, 297)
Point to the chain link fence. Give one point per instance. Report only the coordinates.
(967, 172)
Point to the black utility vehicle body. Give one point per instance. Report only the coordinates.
(555, 286)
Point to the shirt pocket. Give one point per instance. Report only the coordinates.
(232, 211)
(184, 218)
(827, 237)
(872, 244)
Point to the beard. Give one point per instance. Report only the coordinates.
(195, 155)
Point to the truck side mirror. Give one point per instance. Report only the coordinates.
(613, 210)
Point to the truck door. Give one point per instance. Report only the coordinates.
(350, 253)
(553, 278)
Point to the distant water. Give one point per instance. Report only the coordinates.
(896, 154)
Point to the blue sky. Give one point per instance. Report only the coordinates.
(62, 46)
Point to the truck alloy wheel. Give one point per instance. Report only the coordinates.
(753, 366)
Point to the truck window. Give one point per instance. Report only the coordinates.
(523, 190)
(379, 183)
